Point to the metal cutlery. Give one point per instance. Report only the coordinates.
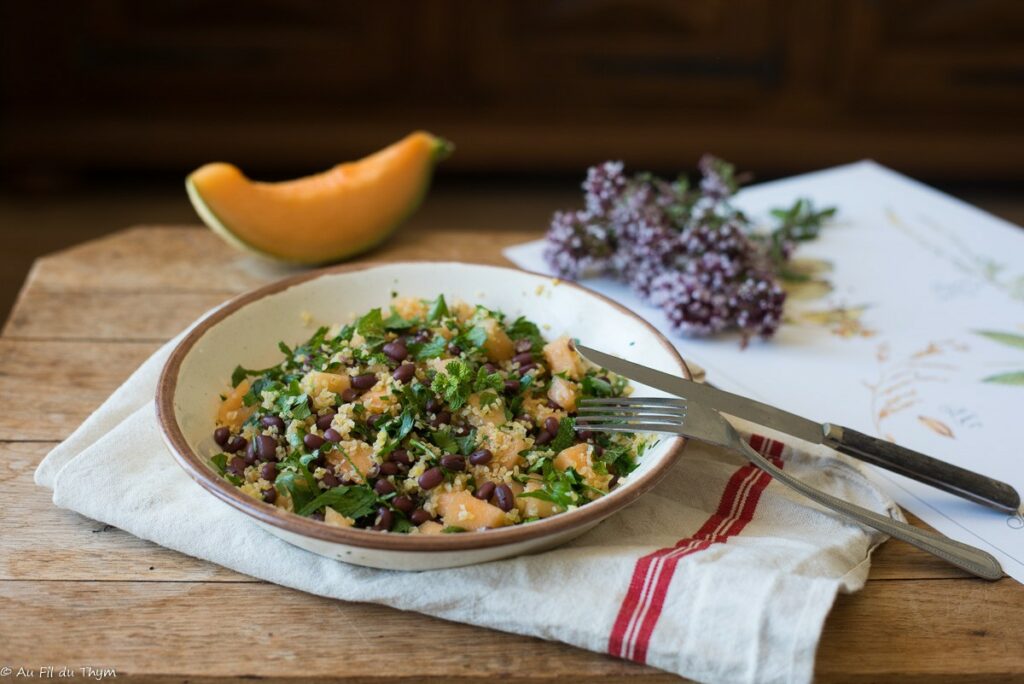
(691, 419)
(931, 471)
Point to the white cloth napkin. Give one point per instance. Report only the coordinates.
(718, 574)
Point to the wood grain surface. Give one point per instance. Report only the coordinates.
(76, 592)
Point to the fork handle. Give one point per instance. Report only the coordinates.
(964, 556)
(931, 471)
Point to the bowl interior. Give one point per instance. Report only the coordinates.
(246, 332)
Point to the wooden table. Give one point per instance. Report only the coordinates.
(75, 592)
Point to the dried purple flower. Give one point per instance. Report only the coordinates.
(687, 251)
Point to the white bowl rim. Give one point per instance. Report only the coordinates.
(197, 468)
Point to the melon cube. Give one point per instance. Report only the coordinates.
(409, 308)
(233, 412)
(462, 509)
(562, 358)
(530, 507)
(314, 383)
(498, 346)
(564, 393)
(579, 458)
(351, 455)
(333, 517)
(494, 414)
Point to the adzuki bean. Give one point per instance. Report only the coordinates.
(504, 497)
(431, 478)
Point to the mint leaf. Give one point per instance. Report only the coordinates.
(454, 385)
(566, 435)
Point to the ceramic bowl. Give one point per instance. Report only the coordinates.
(247, 329)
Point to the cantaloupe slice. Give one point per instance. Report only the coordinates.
(323, 218)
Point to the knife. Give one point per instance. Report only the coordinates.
(931, 471)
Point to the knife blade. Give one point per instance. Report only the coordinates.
(931, 471)
(720, 400)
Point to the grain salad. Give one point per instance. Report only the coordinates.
(434, 417)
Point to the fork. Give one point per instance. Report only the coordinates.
(690, 419)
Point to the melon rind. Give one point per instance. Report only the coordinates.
(442, 150)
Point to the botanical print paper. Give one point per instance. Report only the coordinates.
(910, 326)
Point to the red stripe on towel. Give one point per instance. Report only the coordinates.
(641, 608)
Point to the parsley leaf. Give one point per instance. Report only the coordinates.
(428, 350)
(475, 337)
(457, 382)
(558, 487)
(371, 325)
(401, 524)
(240, 374)
(444, 439)
(593, 386)
(396, 322)
(220, 462)
(300, 486)
(353, 501)
(522, 328)
(438, 309)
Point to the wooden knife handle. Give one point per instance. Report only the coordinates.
(939, 474)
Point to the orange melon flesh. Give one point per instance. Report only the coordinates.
(322, 218)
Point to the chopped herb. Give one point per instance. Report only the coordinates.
(371, 324)
(438, 309)
(219, 462)
(592, 386)
(566, 435)
(353, 501)
(522, 328)
(396, 322)
(428, 350)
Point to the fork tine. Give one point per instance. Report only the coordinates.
(635, 408)
(602, 418)
(636, 427)
(629, 401)
(612, 417)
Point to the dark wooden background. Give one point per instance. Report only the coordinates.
(932, 87)
(106, 105)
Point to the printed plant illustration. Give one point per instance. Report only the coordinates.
(959, 252)
(1014, 377)
(898, 387)
(806, 280)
